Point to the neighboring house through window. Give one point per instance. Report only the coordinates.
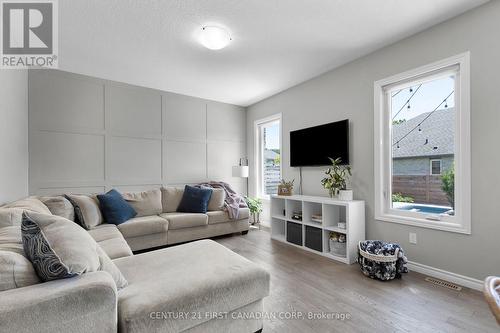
(422, 149)
(268, 155)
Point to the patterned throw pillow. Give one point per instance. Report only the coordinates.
(59, 249)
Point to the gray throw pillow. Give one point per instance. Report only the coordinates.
(60, 206)
(171, 198)
(12, 213)
(87, 211)
(216, 201)
(145, 203)
(59, 248)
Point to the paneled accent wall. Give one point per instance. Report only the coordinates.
(89, 135)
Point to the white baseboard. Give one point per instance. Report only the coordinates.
(446, 276)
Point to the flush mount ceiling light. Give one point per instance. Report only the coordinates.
(214, 38)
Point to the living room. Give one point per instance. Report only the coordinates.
(226, 166)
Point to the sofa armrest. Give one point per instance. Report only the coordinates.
(87, 303)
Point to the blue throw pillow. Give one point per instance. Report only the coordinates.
(114, 208)
(195, 200)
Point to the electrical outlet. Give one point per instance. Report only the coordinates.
(413, 238)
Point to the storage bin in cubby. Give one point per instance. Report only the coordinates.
(314, 238)
(294, 233)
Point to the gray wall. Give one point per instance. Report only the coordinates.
(90, 135)
(347, 92)
(13, 135)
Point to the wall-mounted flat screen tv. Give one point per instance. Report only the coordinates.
(312, 146)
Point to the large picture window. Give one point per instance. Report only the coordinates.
(422, 150)
(268, 155)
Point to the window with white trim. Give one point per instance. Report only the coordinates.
(435, 167)
(268, 155)
(422, 146)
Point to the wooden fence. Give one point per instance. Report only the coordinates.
(423, 189)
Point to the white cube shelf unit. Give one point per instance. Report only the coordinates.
(313, 234)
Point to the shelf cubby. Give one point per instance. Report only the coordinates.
(310, 209)
(333, 214)
(278, 208)
(314, 236)
(278, 229)
(292, 206)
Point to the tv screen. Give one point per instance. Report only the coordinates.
(312, 146)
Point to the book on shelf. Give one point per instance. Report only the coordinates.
(317, 218)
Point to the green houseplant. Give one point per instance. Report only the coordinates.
(255, 207)
(336, 177)
(448, 185)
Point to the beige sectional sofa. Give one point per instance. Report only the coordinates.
(200, 278)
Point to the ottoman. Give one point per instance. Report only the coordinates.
(196, 287)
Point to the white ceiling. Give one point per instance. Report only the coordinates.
(276, 43)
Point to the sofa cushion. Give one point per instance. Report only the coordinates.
(145, 203)
(11, 240)
(114, 208)
(171, 198)
(104, 232)
(144, 225)
(116, 248)
(111, 241)
(217, 199)
(220, 216)
(16, 271)
(12, 213)
(185, 220)
(59, 248)
(195, 200)
(87, 211)
(202, 277)
(60, 206)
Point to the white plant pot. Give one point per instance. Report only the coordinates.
(345, 195)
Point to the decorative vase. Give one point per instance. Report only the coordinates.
(345, 195)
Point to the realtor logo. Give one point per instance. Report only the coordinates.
(29, 34)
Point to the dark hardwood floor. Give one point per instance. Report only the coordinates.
(302, 283)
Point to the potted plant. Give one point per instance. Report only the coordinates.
(285, 188)
(336, 180)
(255, 207)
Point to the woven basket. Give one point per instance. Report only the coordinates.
(378, 257)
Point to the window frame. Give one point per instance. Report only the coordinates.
(461, 222)
(259, 153)
(440, 166)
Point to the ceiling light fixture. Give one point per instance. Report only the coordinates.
(214, 38)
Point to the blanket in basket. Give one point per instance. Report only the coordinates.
(382, 270)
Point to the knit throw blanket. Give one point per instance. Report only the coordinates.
(233, 201)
